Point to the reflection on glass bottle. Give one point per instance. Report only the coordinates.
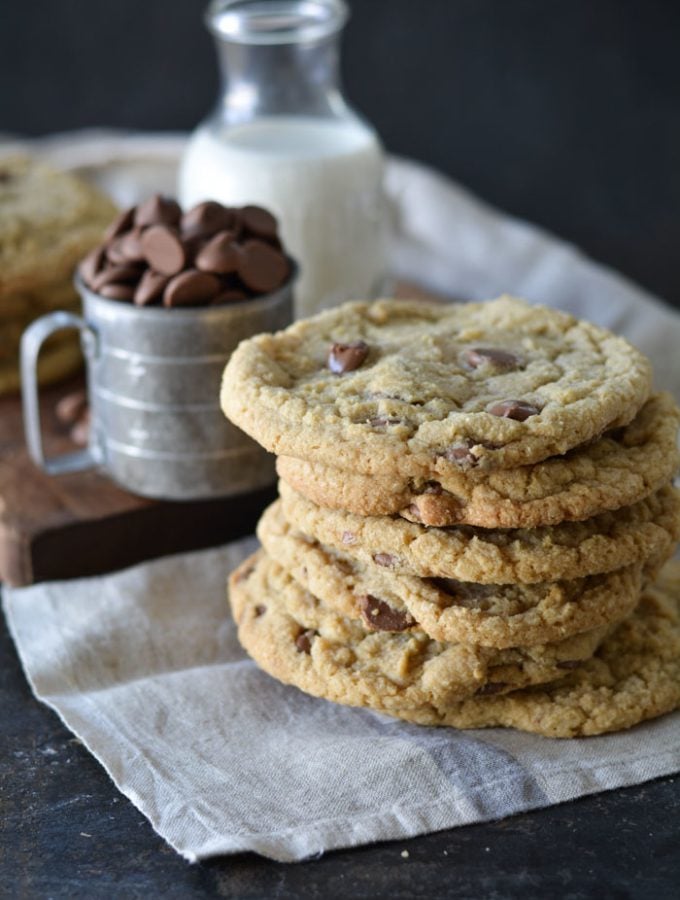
(284, 137)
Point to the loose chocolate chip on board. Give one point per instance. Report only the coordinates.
(118, 291)
(380, 616)
(519, 410)
(121, 223)
(347, 357)
(151, 286)
(261, 267)
(303, 641)
(158, 210)
(80, 432)
(163, 250)
(70, 407)
(384, 559)
(219, 255)
(258, 222)
(206, 219)
(191, 288)
(475, 357)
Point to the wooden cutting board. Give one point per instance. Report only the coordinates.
(83, 524)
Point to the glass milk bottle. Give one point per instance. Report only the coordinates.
(283, 137)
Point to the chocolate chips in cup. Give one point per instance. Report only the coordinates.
(155, 255)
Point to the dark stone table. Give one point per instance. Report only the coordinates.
(66, 832)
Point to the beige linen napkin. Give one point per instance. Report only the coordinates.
(144, 665)
(145, 668)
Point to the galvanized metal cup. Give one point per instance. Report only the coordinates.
(153, 382)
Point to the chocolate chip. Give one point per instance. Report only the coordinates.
(380, 616)
(259, 610)
(122, 222)
(191, 288)
(91, 265)
(432, 487)
(114, 274)
(348, 537)
(150, 288)
(384, 559)
(519, 410)
(219, 255)
(70, 407)
(303, 641)
(347, 357)
(461, 455)
(258, 222)
(131, 245)
(414, 510)
(569, 663)
(261, 267)
(163, 250)
(206, 219)
(158, 210)
(117, 291)
(114, 252)
(475, 357)
(491, 688)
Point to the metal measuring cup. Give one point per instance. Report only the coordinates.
(153, 383)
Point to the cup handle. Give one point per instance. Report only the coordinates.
(31, 342)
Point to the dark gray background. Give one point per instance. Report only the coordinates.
(566, 112)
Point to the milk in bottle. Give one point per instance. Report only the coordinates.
(283, 138)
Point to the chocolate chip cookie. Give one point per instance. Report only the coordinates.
(49, 220)
(298, 640)
(619, 469)
(446, 609)
(645, 532)
(427, 391)
(634, 676)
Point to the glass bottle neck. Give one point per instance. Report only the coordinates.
(293, 79)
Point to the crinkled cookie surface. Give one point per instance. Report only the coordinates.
(425, 389)
(445, 609)
(622, 467)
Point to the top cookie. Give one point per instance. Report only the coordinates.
(50, 219)
(423, 389)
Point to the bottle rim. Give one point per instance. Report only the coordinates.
(275, 21)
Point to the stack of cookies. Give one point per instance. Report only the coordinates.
(49, 221)
(475, 508)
